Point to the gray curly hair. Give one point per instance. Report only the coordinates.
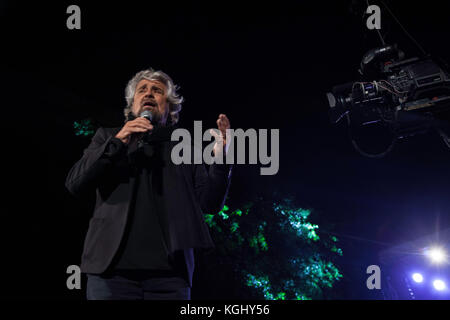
(175, 100)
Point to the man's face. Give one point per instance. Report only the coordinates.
(151, 95)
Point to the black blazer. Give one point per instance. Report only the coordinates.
(190, 191)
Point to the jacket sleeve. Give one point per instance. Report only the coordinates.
(98, 158)
(211, 186)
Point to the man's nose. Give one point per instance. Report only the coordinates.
(149, 94)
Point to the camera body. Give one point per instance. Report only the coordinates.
(407, 99)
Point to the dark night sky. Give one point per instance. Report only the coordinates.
(264, 65)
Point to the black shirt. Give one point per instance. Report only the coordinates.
(143, 246)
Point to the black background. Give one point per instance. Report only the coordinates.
(265, 65)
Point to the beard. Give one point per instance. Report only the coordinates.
(157, 117)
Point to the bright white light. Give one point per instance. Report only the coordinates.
(439, 285)
(437, 255)
(417, 277)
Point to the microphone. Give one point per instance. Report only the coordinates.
(138, 139)
(147, 114)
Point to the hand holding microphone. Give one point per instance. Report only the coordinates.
(139, 125)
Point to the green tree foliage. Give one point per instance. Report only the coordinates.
(84, 128)
(275, 251)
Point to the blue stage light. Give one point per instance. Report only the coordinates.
(436, 255)
(439, 285)
(417, 277)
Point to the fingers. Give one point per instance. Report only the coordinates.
(216, 134)
(222, 122)
(138, 129)
(142, 121)
(140, 125)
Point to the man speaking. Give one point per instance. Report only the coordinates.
(148, 216)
